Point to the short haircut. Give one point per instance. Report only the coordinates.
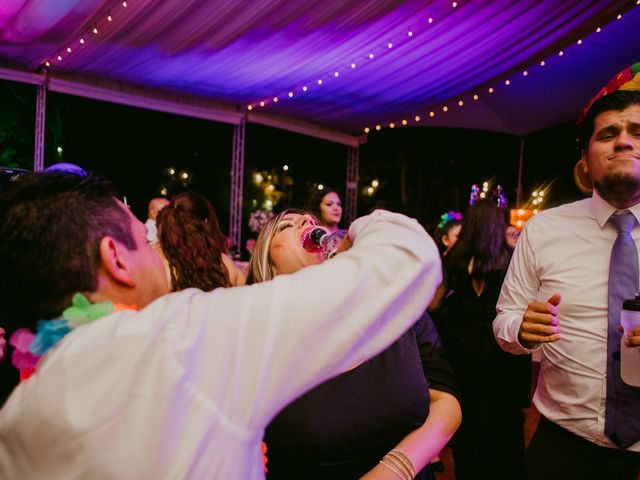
(616, 101)
(51, 225)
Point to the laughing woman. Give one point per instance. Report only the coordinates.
(382, 419)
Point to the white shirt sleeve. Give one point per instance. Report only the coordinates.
(520, 288)
(252, 350)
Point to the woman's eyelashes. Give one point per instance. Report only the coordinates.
(285, 224)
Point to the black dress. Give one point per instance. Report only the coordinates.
(494, 385)
(343, 427)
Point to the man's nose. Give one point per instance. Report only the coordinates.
(624, 140)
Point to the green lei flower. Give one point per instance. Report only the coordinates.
(81, 311)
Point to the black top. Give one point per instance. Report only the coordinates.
(342, 428)
(465, 324)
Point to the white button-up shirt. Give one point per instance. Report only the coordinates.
(566, 250)
(185, 387)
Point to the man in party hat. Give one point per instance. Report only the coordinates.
(572, 269)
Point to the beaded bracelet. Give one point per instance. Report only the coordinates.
(400, 464)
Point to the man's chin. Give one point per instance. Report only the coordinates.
(619, 189)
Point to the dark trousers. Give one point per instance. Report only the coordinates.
(557, 454)
(490, 442)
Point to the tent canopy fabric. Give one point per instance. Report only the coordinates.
(344, 65)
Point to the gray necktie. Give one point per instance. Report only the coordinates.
(622, 421)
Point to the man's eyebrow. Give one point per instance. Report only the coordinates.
(608, 129)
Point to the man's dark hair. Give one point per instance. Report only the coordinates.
(616, 101)
(51, 225)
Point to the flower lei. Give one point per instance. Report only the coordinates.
(29, 348)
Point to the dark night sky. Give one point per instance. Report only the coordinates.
(135, 147)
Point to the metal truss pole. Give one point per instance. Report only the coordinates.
(353, 156)
(237, 178)
(41, 107)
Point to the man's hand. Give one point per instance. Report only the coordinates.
(539, 323)
(345, 244)
(631, 338)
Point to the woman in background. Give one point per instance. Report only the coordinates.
(396, 407)
(495, 385)
(512, 234)
(326, 205)
(446, 234)
(193, 245)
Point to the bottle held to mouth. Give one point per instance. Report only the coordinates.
(319, 240)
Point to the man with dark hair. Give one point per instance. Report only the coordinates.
(573, 267)
(180, 385)
(66, 216)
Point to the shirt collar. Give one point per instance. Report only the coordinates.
(602, 211)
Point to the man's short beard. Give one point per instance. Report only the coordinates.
(619, 189)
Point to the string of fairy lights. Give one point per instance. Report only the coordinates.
(85, 37)
(406, 36)
(371, 54)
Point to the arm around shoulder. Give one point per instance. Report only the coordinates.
(300, 329)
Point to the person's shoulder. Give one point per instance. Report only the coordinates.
(566, 214)
(572, 208)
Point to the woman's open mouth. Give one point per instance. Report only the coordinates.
(307, 243)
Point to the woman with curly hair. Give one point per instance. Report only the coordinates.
(193, 245)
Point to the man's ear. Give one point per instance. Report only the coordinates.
(115, 263)
(583, 161)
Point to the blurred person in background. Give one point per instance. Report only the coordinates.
(326, 205)
(512, 234)
(447, 231)
(495, 386)
(155, 205)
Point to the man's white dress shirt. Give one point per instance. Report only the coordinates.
(185, 387)
(566, 250)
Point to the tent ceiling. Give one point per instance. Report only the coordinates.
(232, 54)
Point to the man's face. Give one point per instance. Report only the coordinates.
(612, 158)
(146, 265)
